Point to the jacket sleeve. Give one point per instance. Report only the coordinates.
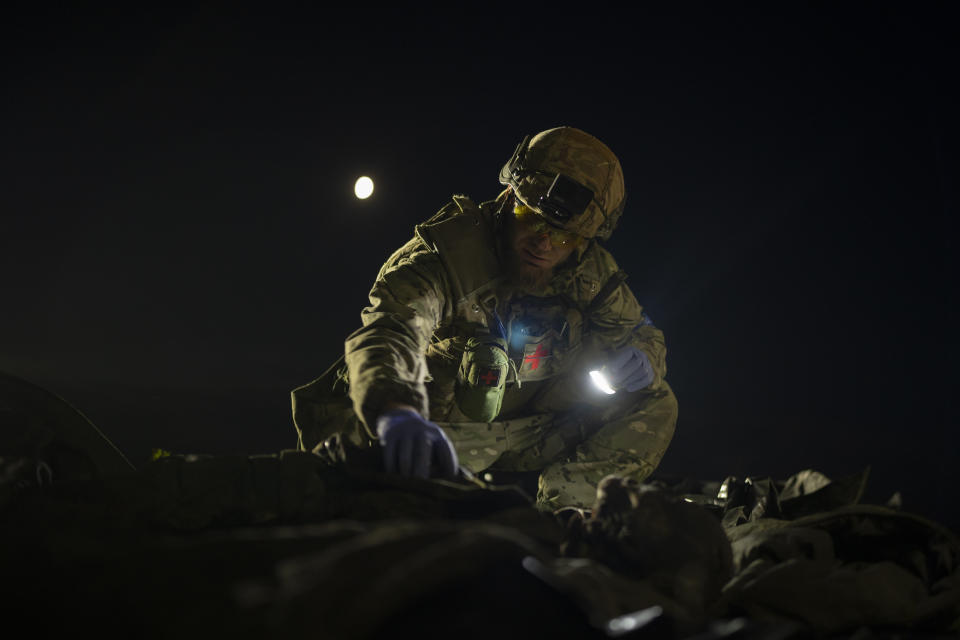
(619, 320)
(386, 356)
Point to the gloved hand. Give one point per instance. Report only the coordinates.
(411, 445)
(629, 368)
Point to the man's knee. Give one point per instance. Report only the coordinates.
(654, 413)
(630, 443)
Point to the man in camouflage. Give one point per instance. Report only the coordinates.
(483, 329)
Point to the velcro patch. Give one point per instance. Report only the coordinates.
(489, 377)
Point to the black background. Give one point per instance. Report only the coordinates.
(181, 247)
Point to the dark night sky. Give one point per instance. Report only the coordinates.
(180, 245)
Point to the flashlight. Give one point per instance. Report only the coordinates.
(600, 381)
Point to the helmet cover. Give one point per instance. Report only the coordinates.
(570, 178)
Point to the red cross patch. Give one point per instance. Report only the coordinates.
(535, 357)
(490, 377)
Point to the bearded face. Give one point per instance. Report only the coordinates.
(530, 254)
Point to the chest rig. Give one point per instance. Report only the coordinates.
(540, 334)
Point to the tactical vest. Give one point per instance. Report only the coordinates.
(542, 332)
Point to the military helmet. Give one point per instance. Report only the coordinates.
(570, 178)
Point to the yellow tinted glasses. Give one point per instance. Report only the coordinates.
(534, 221)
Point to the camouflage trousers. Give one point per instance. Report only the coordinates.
(571, 449)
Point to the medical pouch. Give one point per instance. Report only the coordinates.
(482, 378)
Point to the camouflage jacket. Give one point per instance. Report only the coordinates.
(445, 283)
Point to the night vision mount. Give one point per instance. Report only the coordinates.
(564, 200)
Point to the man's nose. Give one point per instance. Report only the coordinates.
(543, 243)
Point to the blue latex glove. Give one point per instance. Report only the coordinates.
(629, 368)
(412, 445)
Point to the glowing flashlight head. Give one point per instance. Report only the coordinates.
(600, 381)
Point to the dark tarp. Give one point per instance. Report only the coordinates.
(326, 545)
